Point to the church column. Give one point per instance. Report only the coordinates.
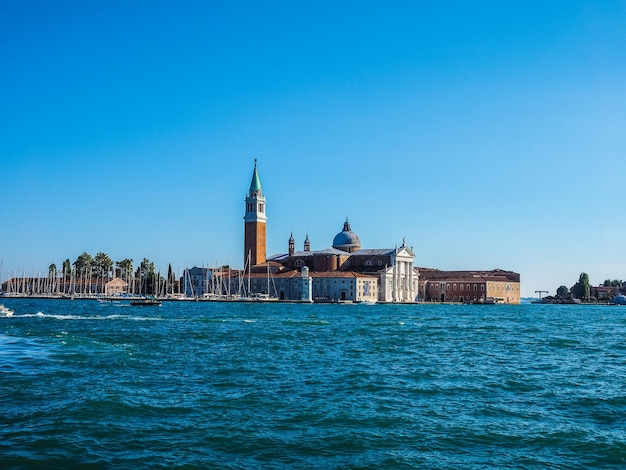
(394, 281)
(405, 281)
(411, 283)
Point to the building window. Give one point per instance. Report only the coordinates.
(475, 286)
(368, 263)
(482, 287)
(468, 287)
(299, 263)
(448, 286)
(454, 287)
(462, 286)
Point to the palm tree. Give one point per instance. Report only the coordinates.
(67, 273)
(102, 267)
(52, 275)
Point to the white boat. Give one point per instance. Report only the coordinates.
(5, 311)
(262, 297)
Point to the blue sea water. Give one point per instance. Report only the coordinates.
(245, 385)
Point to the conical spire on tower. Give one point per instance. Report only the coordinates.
(255, 184)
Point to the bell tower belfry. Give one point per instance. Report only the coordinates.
(254, 222)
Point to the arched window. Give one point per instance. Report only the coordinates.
(299, 263)
(368, 263)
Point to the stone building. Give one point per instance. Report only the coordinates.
(495, 286)
(116, 287)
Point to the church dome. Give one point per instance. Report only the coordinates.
(347, 240)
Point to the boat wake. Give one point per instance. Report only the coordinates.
(86, 317)
(5, 312)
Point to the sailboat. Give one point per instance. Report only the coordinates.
(249, 296)
(265, 297)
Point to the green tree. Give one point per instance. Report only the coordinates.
(562, 291)
(125, 268)
(102, 265)
(83, 265)
(146, 267)
(171, 279)
(67, 274)
(581, 289)
(67, 268)
(147, 276)
(52, 276)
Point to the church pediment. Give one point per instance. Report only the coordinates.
(405, 252)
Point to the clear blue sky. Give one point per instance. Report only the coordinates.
(489, 134)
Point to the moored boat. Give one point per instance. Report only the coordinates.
(619, 299)
(148, 301)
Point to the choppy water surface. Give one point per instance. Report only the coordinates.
(201, 385)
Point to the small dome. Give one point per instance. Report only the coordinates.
(347, 240)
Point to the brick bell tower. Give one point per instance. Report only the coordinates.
(254, 222)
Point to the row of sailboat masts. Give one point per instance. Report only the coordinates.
(82, 284)
(213, 282)
(217, 282)
(247, 271)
